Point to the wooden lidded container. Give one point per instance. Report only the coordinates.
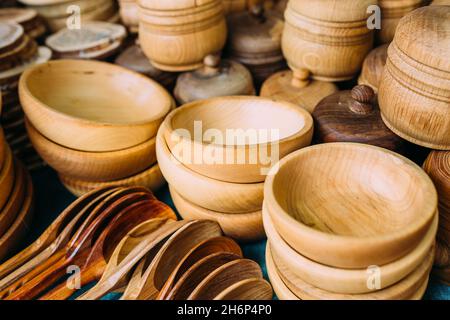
(177, 35)
(255, 41)
(234, 5)
(414, 93)
(391, 13)
(373, 66)
(298, 88)
(330, 38)
(217, 78)
(354, 116)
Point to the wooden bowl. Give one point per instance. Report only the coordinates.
(151, 178)
(350, 205)
(6, 177)
(124, 111)
(206, 192)
(349, 281)
(93, 166)
(264, 131)
(243, 227)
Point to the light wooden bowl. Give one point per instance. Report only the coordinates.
(206, 192)
(64, 101)
(247, 116)
(350, 281)
(243, 227)
(350, 205)
(93, 166)
(151, 178)
(6, 177)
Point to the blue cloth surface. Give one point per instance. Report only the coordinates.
(52, 198)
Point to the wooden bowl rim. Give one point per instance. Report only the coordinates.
(277, 211)
(280, 288)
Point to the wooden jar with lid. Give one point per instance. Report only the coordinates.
(298, 88)
(177, 35)
(217, 78)
(354, 116)
(330, 38)
(373, 66)
(255, 41)
(414, 93)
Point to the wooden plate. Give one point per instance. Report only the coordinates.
(242, 226)
(6, 177)
(151, 178)
(93, 166)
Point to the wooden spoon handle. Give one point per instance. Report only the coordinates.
(18, 260)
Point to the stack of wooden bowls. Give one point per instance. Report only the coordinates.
(98, 125)
(29, 19)
(168, 30)
(18, 52)
(95, 40)
(215, 155)
(129, 14)
(58, 14)
(349, 221)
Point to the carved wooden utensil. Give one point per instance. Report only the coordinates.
(248, 289)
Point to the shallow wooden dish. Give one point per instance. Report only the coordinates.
(151, 178)
(124, 111)
(350, 205)
(93, 166)
(349, 281)
(253, 119)
(206, 192)
(6, 177)
(243, 226)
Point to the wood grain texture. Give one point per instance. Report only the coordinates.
(7, 173)
(249, 289)
(328, 38)
(373, 67)
(162, 26)
(414, 93)
(371, 207)
(124, 111)
(279, 287)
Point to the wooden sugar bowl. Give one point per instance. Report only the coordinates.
(373, 66)
(354, 116)
(298, 88)
(414, 93)
(216, 79)
(129, 14)
(255, 41)
(178, 35)
(329, 38)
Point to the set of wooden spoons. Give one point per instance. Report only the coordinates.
(98, 126)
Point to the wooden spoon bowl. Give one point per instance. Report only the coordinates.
(262, 131)
(124, 111)
(350, 205)
(249, 289)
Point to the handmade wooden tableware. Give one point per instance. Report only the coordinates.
(124, 111)
(439, 3)
(209, 193)
(328, 38)
(176, 26)
(11, 35)
(297, 88)
(129, 252)
(93, 166)
(32, 23)
(402, 290)
(442, 259)
(6, 177)
(279, 287)
(350, 281)
(371, 207)
(244, 227)
(129, 14)
(217, 78)
(150, 178)
(231, 6)
(373, 67)
(2, 142)
(354, 116)
(169, 259)
(415, 88)
(238, 139)
(421, 292)
(249, 289)
(224, 277)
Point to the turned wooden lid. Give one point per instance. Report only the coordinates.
(17, 15)
(373, 67)
(10, 35)
(424, 36)
(134, 59)
(353, 116)
(437, 165)
(217, 78)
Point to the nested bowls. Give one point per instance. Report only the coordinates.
(92, 106)
(236, 139)
(350, 205)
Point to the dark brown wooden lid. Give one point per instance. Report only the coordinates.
(353, 116)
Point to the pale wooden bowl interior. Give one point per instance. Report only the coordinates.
(98, 92)
(352, 190)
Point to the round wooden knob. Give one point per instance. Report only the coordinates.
(300, 78)
(257, 11)
(362, 97)
(211, 64)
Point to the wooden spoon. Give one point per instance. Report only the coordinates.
(123, 223)
(248, 289)
(225, 276)
(130, 251)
